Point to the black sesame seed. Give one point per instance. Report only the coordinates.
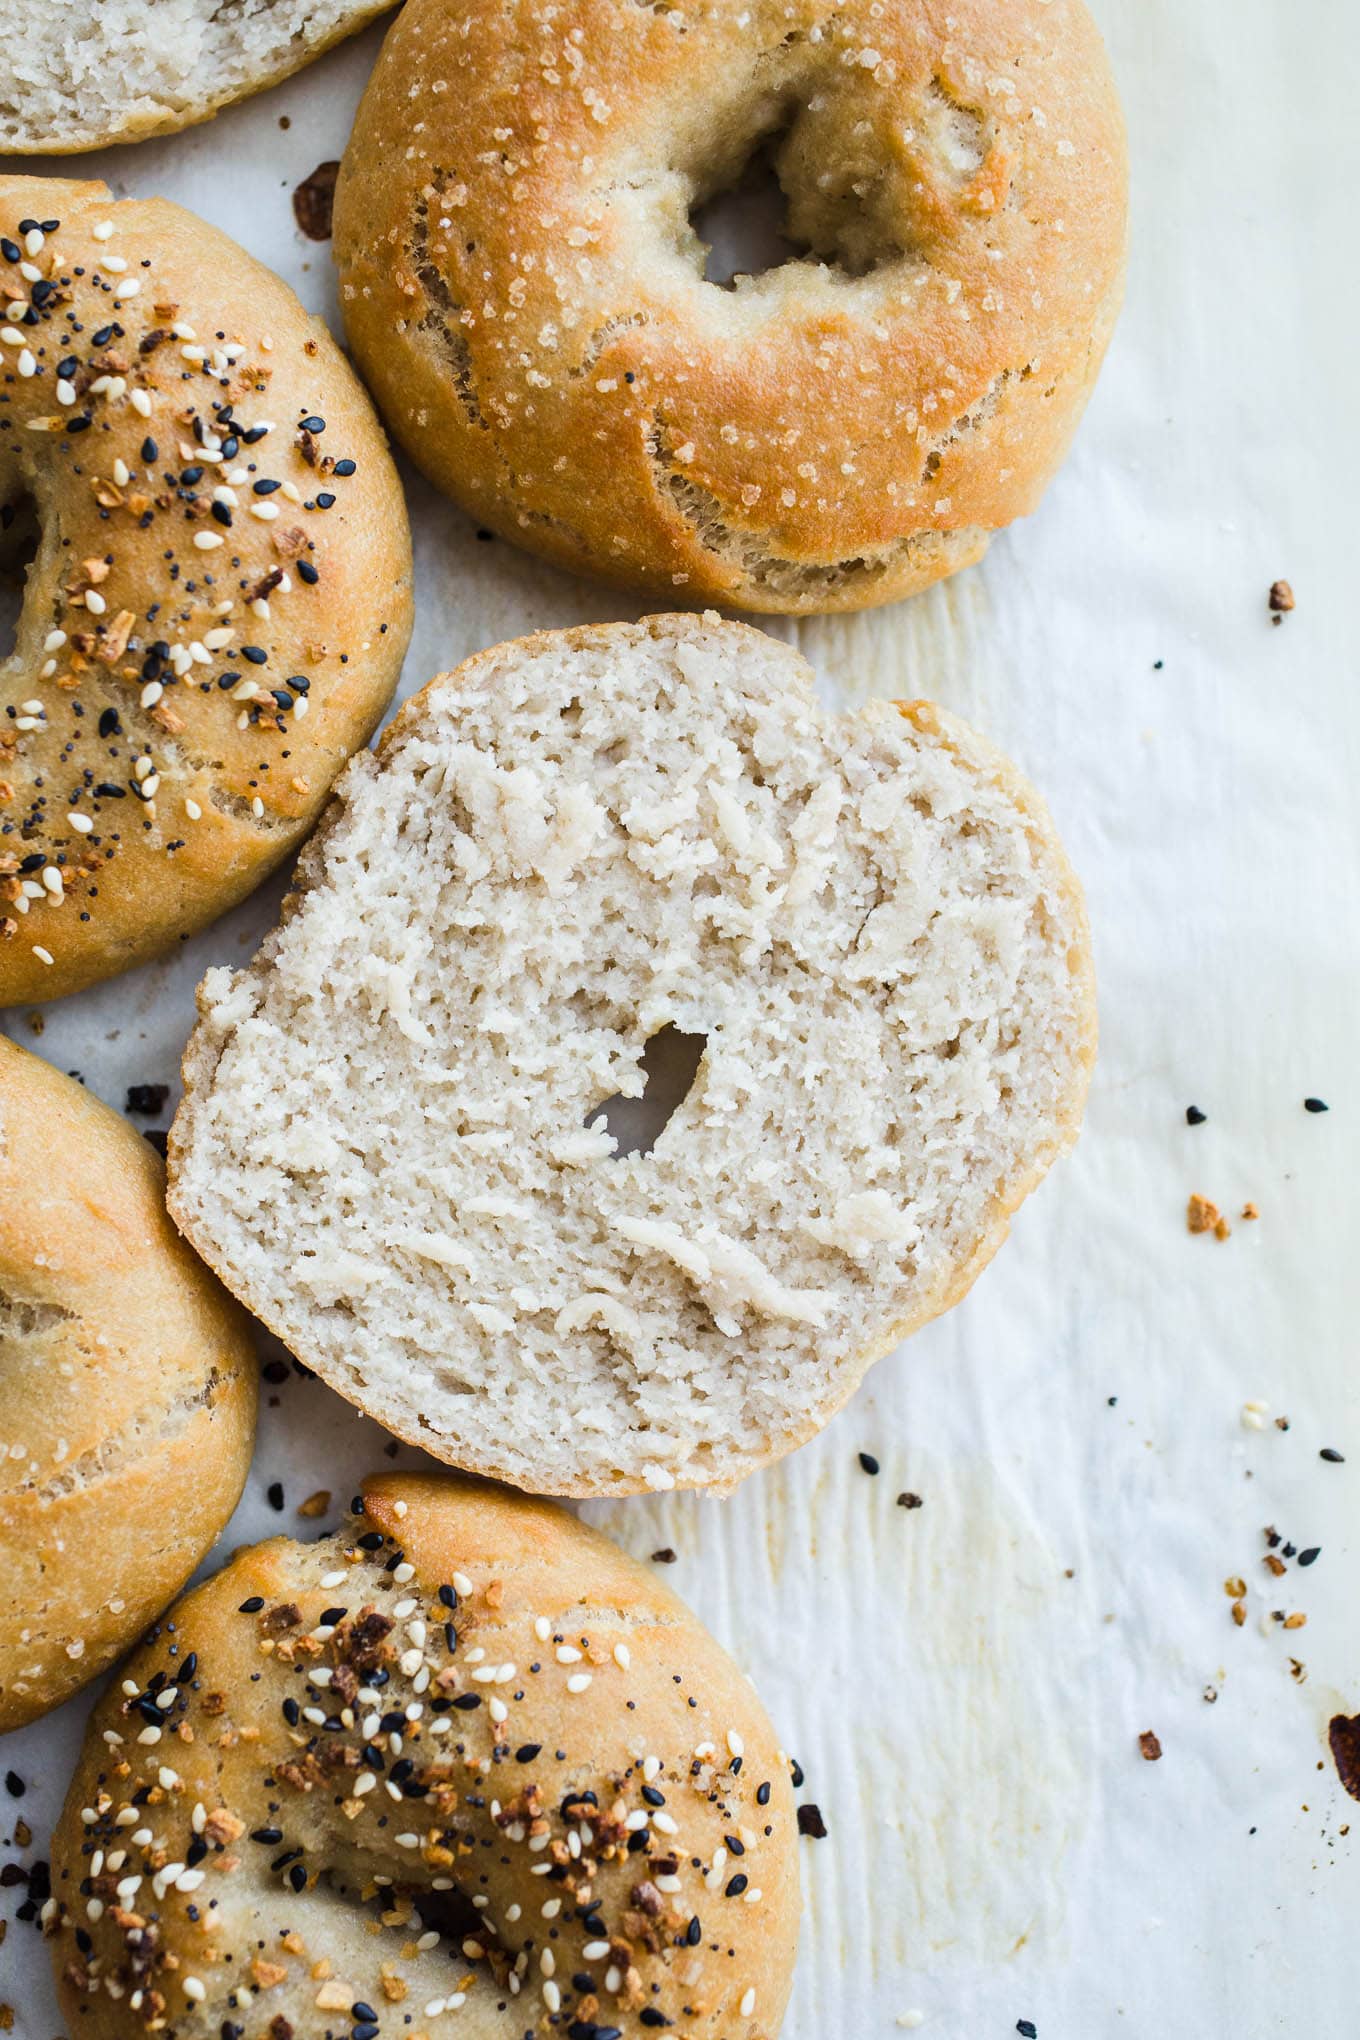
(109, 724)
(333, 1615)
(11, 251)
(1332, 1456)
(1027, 2029)
(372, 1540)
(107, 792)
(222, 512)
(252, 1606)
(868, 1462)
(466, 1701)
(763, 1794)
(102, 337)
(736, 1885)
(15, 1785)
(345, 467)
(1314, 1105)
(1193, 1116)
(526, 1753)
(448, 1597)
(291, 1711)
(253, 435)
(1311, 1555)
(308, 572)
(297, 1877)
(274, 1494)
(266, 488)
(147, 1099)
(151, 453)
(267, 1835)
(650, 2016)
(256, 654)
(796, 1773)
(652, 1796)
(694, 1933)
(325, 500)
(359, 2010)
(191, 475)
(312, 424)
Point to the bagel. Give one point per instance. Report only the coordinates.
(222, 552)
(82, 76)
(127, 1391)
(569, 857)
(524, 288)
(462, 1757)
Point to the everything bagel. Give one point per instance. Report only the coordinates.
(461, 1758)
(221, 594)
(523, 282)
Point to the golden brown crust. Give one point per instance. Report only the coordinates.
(146, 119)
(116, 684)
(127, 1390)
(522, 287)
(583, 1705)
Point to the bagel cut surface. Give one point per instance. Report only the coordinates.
(520, 234)
(82, 76)
(220, 598)
(127, 1391)
(462, 1766)
(403, 1139)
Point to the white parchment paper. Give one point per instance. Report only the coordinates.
(965, 1683)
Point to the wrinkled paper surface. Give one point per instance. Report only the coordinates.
(965, 1683)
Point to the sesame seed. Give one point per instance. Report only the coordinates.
(578, 1682)
(207, 541)
(43, 955)
(194, 1989)
(748, 2004)
(129, 288)
(140, 402)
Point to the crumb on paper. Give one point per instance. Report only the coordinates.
(1280, 600)
(1150, 1746)
(314, 201)
(1343, 1735)
(1250, 1210)
(317, 1504)
(1202, 1215)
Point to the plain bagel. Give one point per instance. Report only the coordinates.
(461, 1758)
(221, 595)
(524, 287)
(127, 1391)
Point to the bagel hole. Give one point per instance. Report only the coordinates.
(670, 1063)
(741, 226)
(19, 537)
(796, 195)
